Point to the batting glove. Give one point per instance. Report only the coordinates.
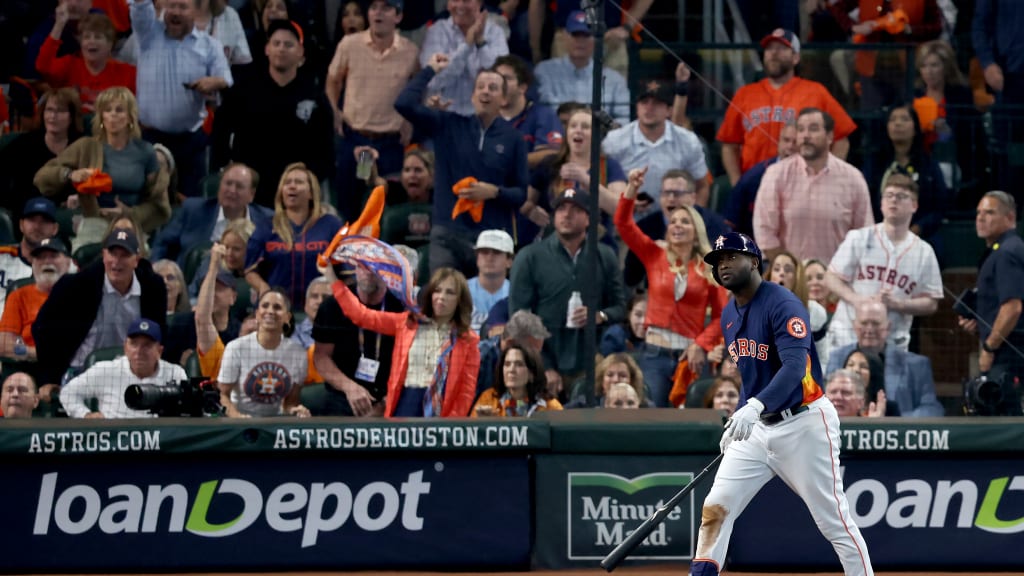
(742, 422)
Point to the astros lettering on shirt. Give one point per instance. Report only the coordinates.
(772, 344)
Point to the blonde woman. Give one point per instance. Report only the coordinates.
(284, 252)
(235, 240)
(681, 291)
(117, 149)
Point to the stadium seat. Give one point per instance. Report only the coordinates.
(719, 196)
(102, 354)
(243, 304)
(193, 259)
(85, 255)
(314, 397)
(15, 284)
(695, 393)
(961, 246)
(6, 227)
(210, 184)
(192, 369)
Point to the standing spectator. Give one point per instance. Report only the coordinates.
(998, 321)
(294, 117)
(544, 276)
(470, 44)
(221, 21)
(887, 263)
(256, 23)
(116, 149)
(569, 78)
(739, 214)
(204, 220)
(999, 46)
(94, 308)
(436, 362)
(60, 124)
(370, 68)
(807, 203)
(318, 291)
(654, 142)
(179, 68)
(283, 253)
(681, 291)
(494, 253)
(406, 218)
(71, 12)
(520, 390)
(106, 381)
(484, 147)
(354, 362)
(18, 399)
(92, 70)
(537, 122)
(50, 261)
(38, 222)
(262, 374)
(758, 111)
(909, 384)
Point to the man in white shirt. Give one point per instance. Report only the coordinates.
(494, 252)
(107, 381)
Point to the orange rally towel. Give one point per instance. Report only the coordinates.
(370, 217)
(474, 207)
(98, 183)
(681, 381)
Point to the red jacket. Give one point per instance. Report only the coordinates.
(685, 316)
(464, 366)
(71, 71)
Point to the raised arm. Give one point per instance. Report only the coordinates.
(386, 323)
(206, 331)
(410, 101)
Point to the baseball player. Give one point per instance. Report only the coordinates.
(758, 111)
(887, 262)
(785, 424)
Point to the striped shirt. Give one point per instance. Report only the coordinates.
(166, 65)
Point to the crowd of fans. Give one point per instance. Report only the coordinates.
(183, 163)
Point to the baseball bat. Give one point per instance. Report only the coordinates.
(616, 556)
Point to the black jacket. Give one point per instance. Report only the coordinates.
(67, 315)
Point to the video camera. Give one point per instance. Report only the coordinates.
(984, 396)
(194, 397)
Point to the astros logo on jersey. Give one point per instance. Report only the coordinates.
(796, 327)
(267, 383)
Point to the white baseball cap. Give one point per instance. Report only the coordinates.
(496, 240)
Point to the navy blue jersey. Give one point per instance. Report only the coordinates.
(774, 349)
(539, 126)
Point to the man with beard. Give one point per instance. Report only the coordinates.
(482, 153)
(807, 203)
(355, 363)
(179, 69)
(758, 111)
(50, 261)
(294, 118)
(38, 222)
(766, 332)
(652, 140)
(544, 276)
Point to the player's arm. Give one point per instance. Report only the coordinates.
(731, 161)
(792, 334)
(840, 148)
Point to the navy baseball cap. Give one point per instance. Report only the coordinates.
(145, 327)
(784, 37)
(733, 242)
(288, 25)
(42, 206)
(124, 238)
(576, 23)
(226, 278)
(578, 197)
(657, 90)
(54, 244)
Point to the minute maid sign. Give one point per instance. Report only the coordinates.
(604, 508)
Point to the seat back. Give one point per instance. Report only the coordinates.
(103, 354)
(6, 227)
(86, 254)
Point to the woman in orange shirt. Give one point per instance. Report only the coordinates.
(93, 70)
(681, 290)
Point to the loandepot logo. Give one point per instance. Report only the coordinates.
(919, 503)
(290, 507)
(605, 508)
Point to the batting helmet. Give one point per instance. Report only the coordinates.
(732, 242)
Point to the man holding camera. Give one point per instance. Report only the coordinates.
(997, 313)
(106, 381)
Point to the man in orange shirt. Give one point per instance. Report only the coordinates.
(50, 261)
(758, 111)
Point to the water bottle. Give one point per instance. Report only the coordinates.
(575, 301)
(20, 350)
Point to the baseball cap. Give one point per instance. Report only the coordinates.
(124, 238)
(145, 327)
(226, 278)
(396, 4)
(733, 242)
(42, 206)
(782, 36)
(580, 198)
(289, 25)
(496, 240)
(53, 244)
(576, 23)
(657, 90)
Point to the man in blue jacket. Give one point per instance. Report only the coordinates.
(483, 146)
(201, 221)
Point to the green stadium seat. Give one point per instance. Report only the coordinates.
(6, 227)
(103, 354)
(210, 184)
(192, 369)
(719, 196)
(961, 247)
(87, 254)
(193, 259)
(695, 393)
(314, 397)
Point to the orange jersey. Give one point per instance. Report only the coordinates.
(758, 112)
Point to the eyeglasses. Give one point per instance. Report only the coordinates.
(897, 196)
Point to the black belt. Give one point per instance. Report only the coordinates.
(776, 417)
